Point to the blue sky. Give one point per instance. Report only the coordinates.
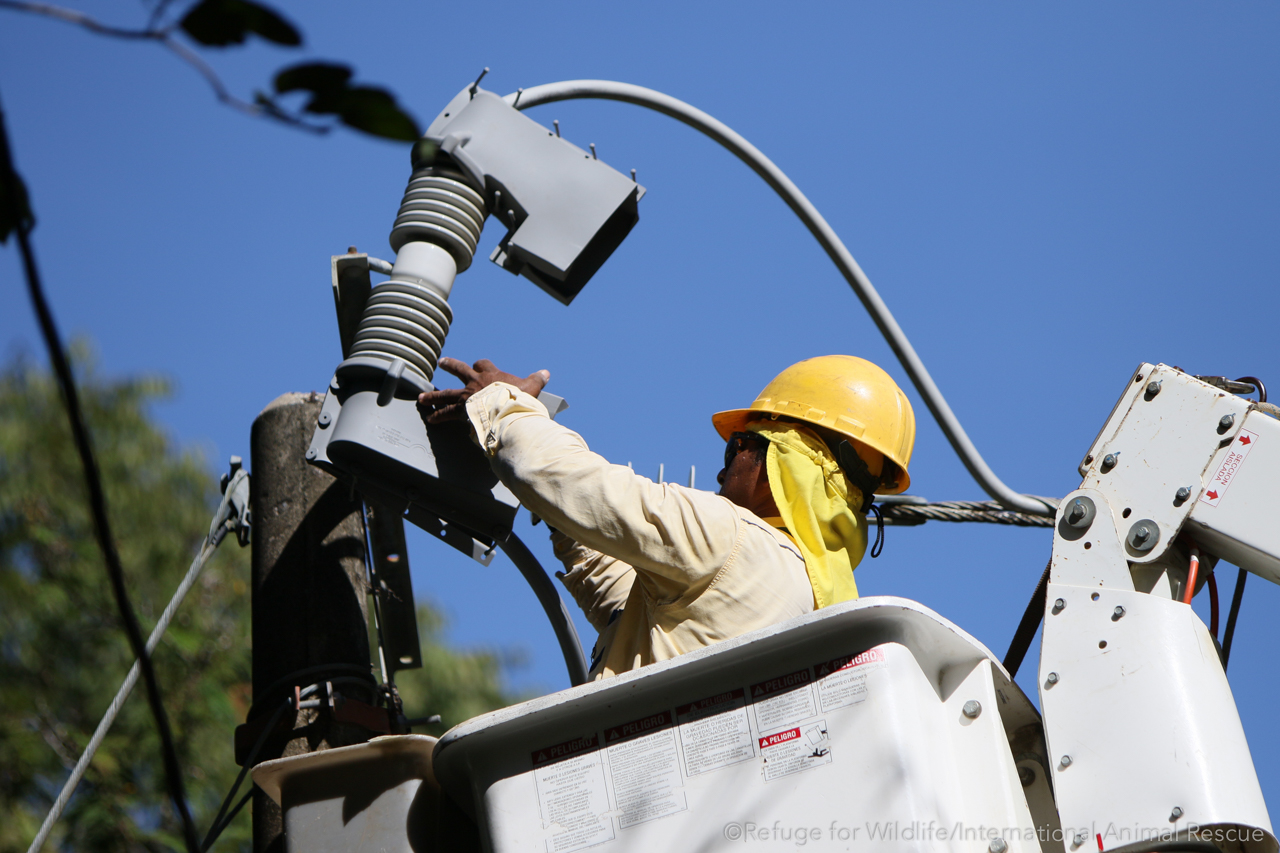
(1046, 195)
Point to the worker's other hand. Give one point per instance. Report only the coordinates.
(450, 404)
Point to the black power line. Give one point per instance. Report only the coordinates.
(15, 212)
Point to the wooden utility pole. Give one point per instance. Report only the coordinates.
(309, 592)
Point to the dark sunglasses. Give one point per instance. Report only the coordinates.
(739, 441)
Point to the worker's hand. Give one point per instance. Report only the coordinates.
(450, 404)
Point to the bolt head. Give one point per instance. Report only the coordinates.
(1110, 460)
(325, 419)
(1117, 613)
(1058, 604)
(972, 709)
(1225, 422)
(311, 453)
(998, 845)
(1183, 493)
(1052, 678)
(1153, 388)
(1141, 534)
(1026, 776)
(1066, 761)
(1077, 511)
(1176, 813)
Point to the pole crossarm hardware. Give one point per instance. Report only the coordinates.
(826, 236)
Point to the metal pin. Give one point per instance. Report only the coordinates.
(660, 473)
(556, 122)
(1176, 813)
(633, 176)
(1066, 761)
(511, 214)
(1052, 678)
(972, 709)
(692, 471)
(593, 152)
(476, 85)
(516, 102)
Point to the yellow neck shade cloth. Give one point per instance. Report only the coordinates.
(819, 507)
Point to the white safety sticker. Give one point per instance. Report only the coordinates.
(843, 681)
(1230, 466)
(795, 749)
(572, 797)
(783, 700)
(714, 732)
(645, 769)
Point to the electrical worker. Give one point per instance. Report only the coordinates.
(660, 569)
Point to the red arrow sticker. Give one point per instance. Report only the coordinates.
(1229, 467)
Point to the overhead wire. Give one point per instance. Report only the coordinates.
(97, 496)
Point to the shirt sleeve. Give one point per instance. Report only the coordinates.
(599, 583)
(677, 538)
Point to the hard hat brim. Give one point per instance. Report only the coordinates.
(735, 420)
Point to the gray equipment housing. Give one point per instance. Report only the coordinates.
(565, 210)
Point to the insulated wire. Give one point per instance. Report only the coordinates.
(826, 237)
(97, 497)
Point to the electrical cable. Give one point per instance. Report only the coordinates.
(552, 605)
(1192, 571)
(1026, 631)
(1213, 606)
(826, 237)
(1229, 633)
(97, 499)
(222, 820)
(990, 512)
(1237, 594)
(223, 521)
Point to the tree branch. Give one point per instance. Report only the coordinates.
(164, 37)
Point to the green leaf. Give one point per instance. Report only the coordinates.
(315, 77)
(218, 23)
(364, 108)
(15, 206)
(375, 112)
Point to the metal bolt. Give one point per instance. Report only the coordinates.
(1143, 535)
(1081, 837)
(1182, 494)
(1109, 461)
(1066, 761)
(1118, 613)
(1076, 513)
(1027, 776)
(1058, 605)
(1176, 813)
(1052, 678)
(1153, 388)
(972, 709)
(325, 419)
(997, 845)
(1225, 423)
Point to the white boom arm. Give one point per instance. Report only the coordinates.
(1142, 729)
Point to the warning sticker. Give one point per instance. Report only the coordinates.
(843, 681)
(782, 700)
(795, 749)
(572, 798)
(568, 749)
(714, 732)
(1229, 467)
(645, 769)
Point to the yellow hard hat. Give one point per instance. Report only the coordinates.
(847, 395)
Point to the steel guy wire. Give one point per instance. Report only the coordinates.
(222, 522)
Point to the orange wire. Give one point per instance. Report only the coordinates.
(1192, 571)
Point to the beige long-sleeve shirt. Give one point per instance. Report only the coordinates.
(685, 568)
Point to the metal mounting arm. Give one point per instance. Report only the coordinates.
(835, 249)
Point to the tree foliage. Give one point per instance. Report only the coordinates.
(62, 654)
